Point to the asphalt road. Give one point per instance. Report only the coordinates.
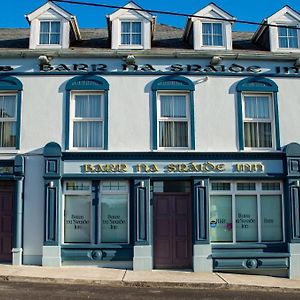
(45, 291)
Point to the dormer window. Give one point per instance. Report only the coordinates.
(49, 33)
(212, 34)
(131, 28)
(283, 35)
(288, 37)
(52, 27)
(210, 29)
(131, 33)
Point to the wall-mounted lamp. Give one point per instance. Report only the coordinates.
(201, 80)
(298, 183)
(297, 63)
(142, 183)
(215, 60)
(51, 184)
(202, 183)
(129, 60)
(44, 60)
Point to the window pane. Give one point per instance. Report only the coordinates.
(250, 135)
(283, 42)
(250, 107)
(245, 186)
(55, 27)
(271, 218)
(125, 39)
(180, 134)
(125, 27)
(263, 107)
(220, 219)
(206, 28)
(114, 218)
(136, 27)
(265, 135)
(77, 219)
(246, 219)
(87, 134)
(217, 40)
(220, 186)
(179, 106)
(136, 39)
(44, 38)
(45, 27)
(165, 134)
(54, 39)
(270, 186)
(217, 29)
(8, 106)
(88, 106)
(166, 106)
(114, 186)
(8, 134)
(77, 186)
(293, 42)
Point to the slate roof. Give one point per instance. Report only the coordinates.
(165, 37)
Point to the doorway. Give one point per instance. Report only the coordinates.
(6, 221)
(172, 230)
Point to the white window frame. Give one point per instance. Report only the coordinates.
(202, 35)
(298, 36)
(271, 120)
(73, 119)
(103, 192)
(170, 119)
(60, 33)
(258, 192)
(131, 33)
(10, 120)
(77, 193)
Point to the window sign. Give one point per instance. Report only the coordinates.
(77, 219)
(246, 212)
(271, 218)
(114, 218)
(220, 218)
(246, 218)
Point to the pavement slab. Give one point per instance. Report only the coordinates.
(173, 278)
(259, 281)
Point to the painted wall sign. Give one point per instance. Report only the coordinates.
(169, 168)
(203, 68)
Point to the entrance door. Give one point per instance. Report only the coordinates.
(172, 230)
(6, 213)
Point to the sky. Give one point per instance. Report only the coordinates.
(92, 17)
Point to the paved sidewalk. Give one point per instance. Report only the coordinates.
(156, 278)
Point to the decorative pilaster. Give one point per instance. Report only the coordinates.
(202, 249)
(292, 169)
(142, 259)
(17, 250)
(52, 177)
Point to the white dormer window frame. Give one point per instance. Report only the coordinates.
(288, 37)
(125, 14)
(212, 34)
(211, 15)
(50, 33)
(130, 45)
(40, 38)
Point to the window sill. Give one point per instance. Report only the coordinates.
(8, 151)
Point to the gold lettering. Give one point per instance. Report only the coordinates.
(209, 167)
(220, 167)
(138, 167)
(88, 168)
(183, 168)
(193, 167)
(171, 168)
(154, 168)
(123, 168)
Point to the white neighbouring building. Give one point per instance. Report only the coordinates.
(146, 146)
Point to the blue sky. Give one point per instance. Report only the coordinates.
(250, 10)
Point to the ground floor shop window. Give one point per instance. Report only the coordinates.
(246, 212)
(96, 212)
